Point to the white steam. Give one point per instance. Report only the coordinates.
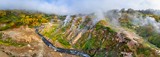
(114, 16)
(99, 16)
(144, 21)
(67, 20)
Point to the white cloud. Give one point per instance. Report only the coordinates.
(77, 6)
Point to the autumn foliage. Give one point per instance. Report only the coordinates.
(16, 18)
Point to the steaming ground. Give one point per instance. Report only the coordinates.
(135, 18)
(97, 28)
(147, 21)
(113, 18)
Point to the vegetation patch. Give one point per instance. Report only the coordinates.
(63, 42)
(9, 42)
(16, 18)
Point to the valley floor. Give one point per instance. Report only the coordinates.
(23, 42)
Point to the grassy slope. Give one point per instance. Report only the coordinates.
(103, 39)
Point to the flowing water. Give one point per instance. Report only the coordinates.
(61, 50)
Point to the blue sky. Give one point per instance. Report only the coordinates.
(77, 6)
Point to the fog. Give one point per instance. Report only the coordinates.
(65, 7)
